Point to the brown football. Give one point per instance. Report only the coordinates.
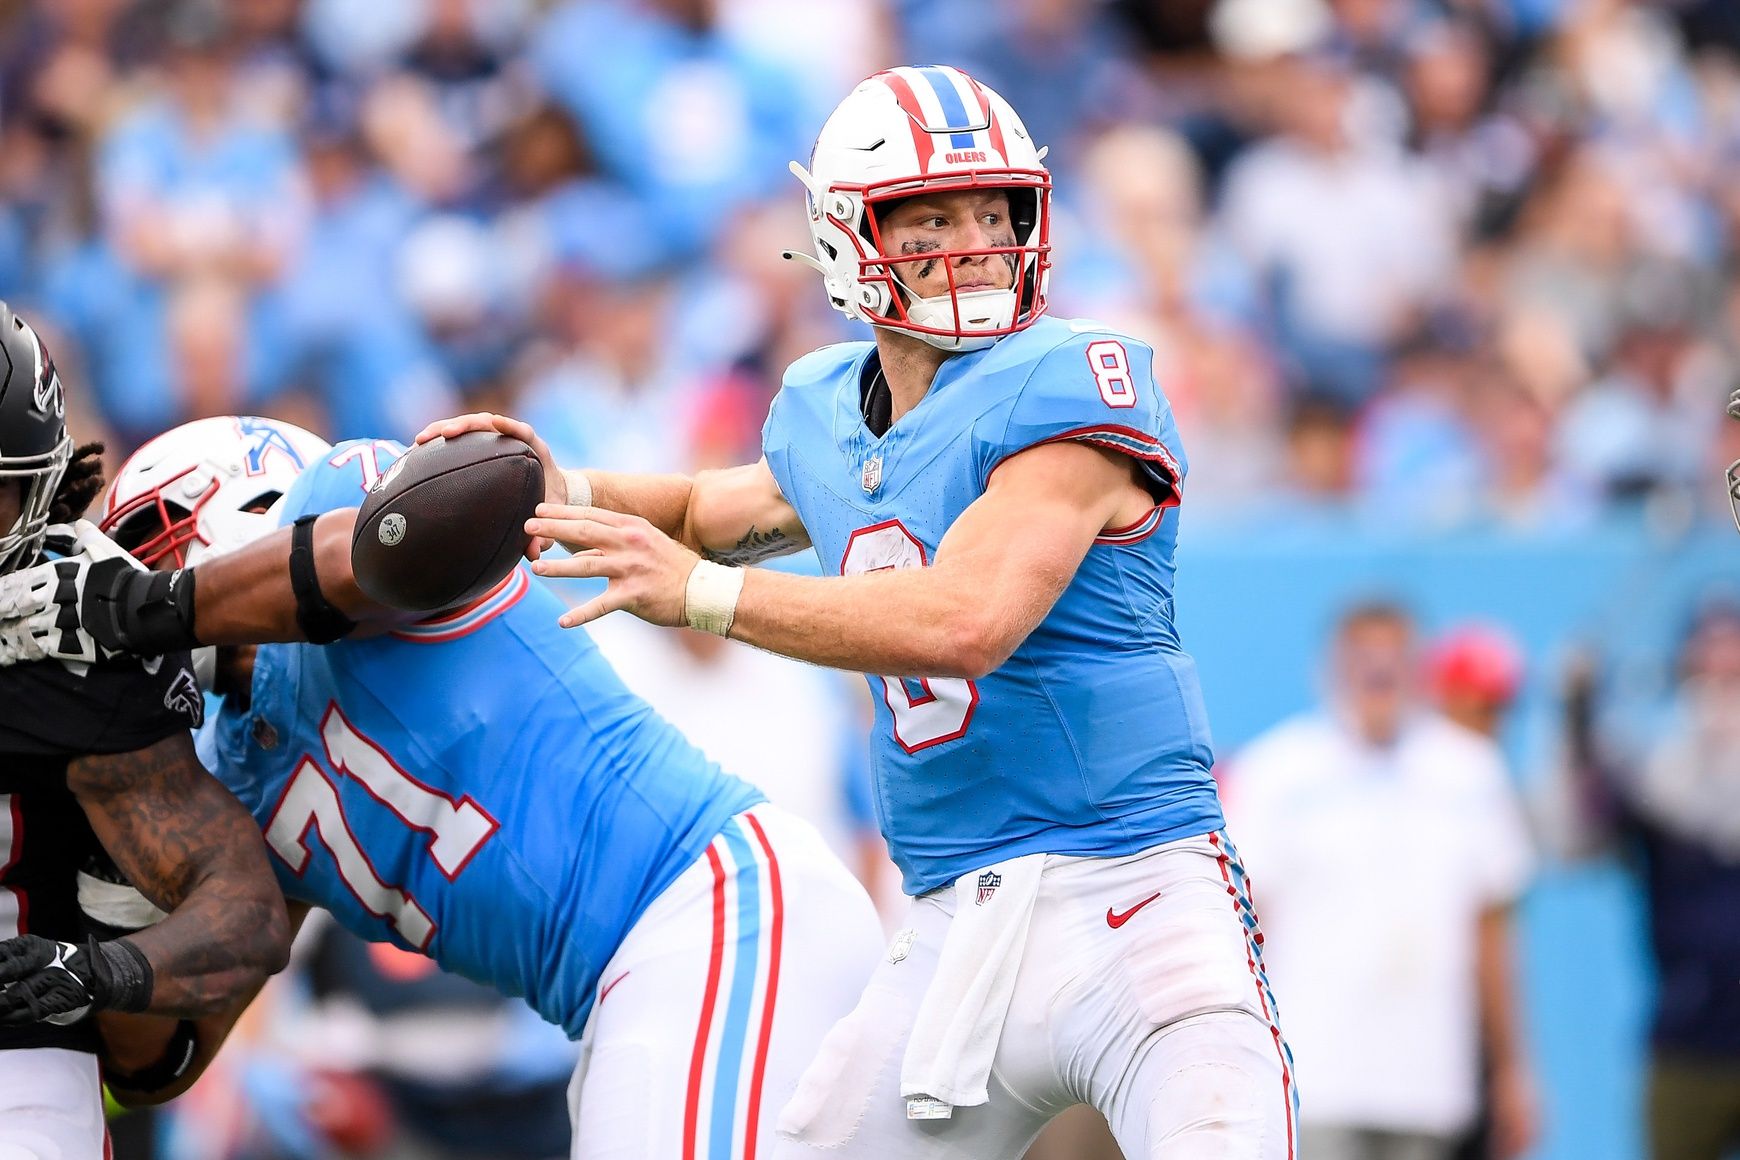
(446, 521)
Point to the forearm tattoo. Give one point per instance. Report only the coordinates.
(754, 547)
(191, 848)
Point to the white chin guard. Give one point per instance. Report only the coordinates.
(980, 310)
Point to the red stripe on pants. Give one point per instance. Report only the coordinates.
(692, 1106)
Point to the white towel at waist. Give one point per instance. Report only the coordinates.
(954, 1038)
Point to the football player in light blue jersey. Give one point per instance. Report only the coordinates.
(480, 787)
(998, 494)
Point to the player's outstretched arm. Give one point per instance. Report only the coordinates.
(249, 596)
(998, 571)
(733, 516)
(997, 574)
(67, 607)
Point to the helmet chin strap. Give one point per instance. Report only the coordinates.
(817, 195)
(803, 176)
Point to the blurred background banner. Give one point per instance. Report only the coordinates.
(1442, 293)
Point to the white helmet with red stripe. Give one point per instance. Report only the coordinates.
(199, 490)
(925, 130)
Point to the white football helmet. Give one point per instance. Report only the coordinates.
(200, 489)
(916, 130)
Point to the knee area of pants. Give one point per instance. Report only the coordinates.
(1208, 1110)
(1216, 1088)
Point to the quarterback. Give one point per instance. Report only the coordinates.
(997, 491)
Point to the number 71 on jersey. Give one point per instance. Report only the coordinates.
(456, 829)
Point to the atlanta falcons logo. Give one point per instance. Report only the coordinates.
(184, 697)
(47, 398)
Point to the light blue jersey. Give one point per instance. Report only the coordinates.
(480, 787)
(1092, 738)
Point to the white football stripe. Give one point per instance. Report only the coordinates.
(927, 98)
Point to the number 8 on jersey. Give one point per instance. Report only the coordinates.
(926, 712)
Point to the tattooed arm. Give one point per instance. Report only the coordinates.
(734, 516)
(754, 547)
(137, 1047)
(189, 846)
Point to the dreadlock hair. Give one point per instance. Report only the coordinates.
(81, 484)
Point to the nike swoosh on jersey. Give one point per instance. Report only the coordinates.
(1115, 920)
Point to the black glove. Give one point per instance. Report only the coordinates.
(95, 595)
(42, 981)
(148, 613)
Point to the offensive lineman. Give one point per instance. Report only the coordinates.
(480, 787)
(993, 488)
(96, 765)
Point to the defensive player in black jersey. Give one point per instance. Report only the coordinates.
(98, 775)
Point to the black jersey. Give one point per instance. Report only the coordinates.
(49, 716)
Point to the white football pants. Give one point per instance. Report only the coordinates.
(1140, 991)
(718, 998)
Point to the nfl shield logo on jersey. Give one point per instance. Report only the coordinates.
(988, 883)
(872, 478)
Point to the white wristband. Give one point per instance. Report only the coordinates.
(579, 488)
(710, 600)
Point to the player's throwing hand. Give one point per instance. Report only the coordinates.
(648, 572)
(555, 482)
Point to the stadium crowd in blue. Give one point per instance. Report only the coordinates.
(1442, 260)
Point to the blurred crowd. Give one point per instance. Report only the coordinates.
(1435, 261)
(1410, 264)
